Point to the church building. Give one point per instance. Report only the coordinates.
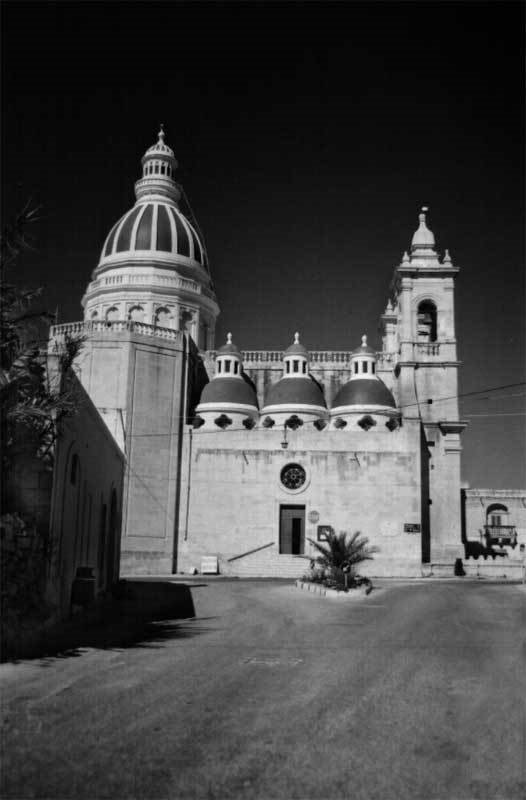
(238, 459)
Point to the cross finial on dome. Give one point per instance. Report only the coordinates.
(229, 338)
(296, 338)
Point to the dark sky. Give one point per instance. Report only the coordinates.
(308, 136)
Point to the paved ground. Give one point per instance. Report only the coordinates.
(416, 692)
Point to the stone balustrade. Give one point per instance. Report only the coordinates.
(110, 327)
(336, 359)
(173, 281)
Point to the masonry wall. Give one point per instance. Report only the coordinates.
(86, 503)
(364, 481)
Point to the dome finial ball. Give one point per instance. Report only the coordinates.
(296, 338)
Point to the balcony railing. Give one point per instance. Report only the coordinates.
(500, 535)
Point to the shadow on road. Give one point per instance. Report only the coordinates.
(140, 614)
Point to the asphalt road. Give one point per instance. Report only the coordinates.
(415, 692)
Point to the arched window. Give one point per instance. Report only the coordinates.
(427, 322)
(136, 314)
(497, 515)
(112, 314)
(163, 317)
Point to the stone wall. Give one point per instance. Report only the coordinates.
(364, 481)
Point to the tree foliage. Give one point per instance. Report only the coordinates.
(33, 397)
(340, 550)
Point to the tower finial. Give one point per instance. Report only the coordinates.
(296, 338)
(161, 133)
(364, 340)
(229, 338)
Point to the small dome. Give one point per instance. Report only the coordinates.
(364, 392)
(228, 390)
(301, 391)
(296, 349)
(153, 228)
(423, 237)
(364, 348)
(229, 348)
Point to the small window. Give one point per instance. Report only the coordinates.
(236, 365)
(356, 368)
(219, 366)
(304, 367)
(287, 366)
(296, 367)
(227, 365)
(157, 169)
(365, 366)
(373, 367)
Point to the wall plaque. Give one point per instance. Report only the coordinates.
(411, 527)
(313, 517)
(323, 531)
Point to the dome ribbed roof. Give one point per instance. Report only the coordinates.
(154, 227)
(364, 392)
(229, 390)
(295, 391)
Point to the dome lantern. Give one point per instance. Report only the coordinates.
(158, 170)
(228, 360)
(363, 361)
(295, 359)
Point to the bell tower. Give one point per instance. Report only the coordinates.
(420, 327)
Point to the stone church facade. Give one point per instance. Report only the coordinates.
(242, 457)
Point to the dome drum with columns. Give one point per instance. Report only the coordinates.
(153, 266)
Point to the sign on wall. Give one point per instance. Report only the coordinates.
(323, 531)
(313, 517)
(411, 527)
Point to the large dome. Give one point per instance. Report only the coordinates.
(155, 229)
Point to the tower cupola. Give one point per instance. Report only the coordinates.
(423, 242)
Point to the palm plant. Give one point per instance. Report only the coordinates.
(339, 551)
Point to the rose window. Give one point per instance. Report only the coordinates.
(293, 476)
